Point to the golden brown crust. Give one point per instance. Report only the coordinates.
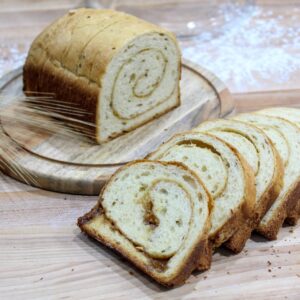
(293, 216)
(66, 88)
(200, 249)
(205, 259)
(293, 204)
(271, 229)
(237, 242)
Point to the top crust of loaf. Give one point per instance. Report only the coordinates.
(94, 226)
(65, 50)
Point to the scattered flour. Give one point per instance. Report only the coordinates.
(12, 55)
(247, 41)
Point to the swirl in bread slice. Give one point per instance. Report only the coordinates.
(292, 115)
(288, 199)
(122, 70)
(156, 215)
(258, 151)
(226, 175)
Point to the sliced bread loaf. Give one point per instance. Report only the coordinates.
(258, 151)
(156, 215)
(290, 193)
(292, 115)
(224, 172)
(122, 70)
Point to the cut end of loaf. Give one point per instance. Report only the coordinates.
(141, 83)
(227, 177)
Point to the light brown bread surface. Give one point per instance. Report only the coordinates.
(224, 172)
(157, 216)
(258, 151)
(288, 198)
(121, 70)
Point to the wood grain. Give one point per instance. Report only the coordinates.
(76, 165)
(262, 99)
(44, 256)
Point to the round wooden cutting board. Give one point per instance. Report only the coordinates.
(76, 165)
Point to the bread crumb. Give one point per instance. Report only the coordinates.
(139, 248)
(291, 230)
(130, 272)
(269, 263)
(269, 270)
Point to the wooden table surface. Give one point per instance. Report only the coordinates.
(43, 255)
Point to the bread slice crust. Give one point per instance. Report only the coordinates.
(238, 241)
(199, 250)
(271, 229)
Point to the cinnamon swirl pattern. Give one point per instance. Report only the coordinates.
(156, 215)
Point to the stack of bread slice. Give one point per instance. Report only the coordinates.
(201, 189)
(292, 115)
(286, 202)
(258, 151)
(228, 177)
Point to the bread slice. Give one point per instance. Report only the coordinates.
(156, 215)
(258, 151)
(292, 115)
(122, 70)
(290, 193)
(224, 172)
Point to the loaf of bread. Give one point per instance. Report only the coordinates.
(225, 173)
(258, 151)
(290, 193)
(156, 215)
(121, 70)
(292, 115)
